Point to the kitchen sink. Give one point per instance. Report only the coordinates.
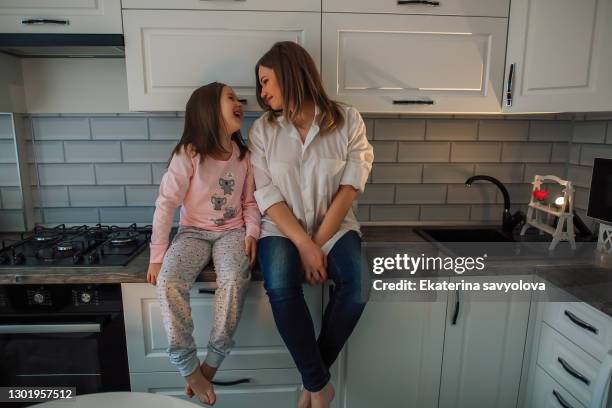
(464, 235)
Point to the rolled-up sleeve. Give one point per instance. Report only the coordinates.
(266, 193)
(360, 153)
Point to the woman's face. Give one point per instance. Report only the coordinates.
(270, 90)
(231, 110)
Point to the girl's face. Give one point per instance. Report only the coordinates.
(270, 90)
(231, 110)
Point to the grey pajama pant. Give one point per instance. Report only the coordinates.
(189, 252)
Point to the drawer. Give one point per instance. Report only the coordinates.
(257, 342)
(584, 325)
(263, 5)
(547, 393)
(61, 16)
(568, 364)
(485, 8)
(265, 388)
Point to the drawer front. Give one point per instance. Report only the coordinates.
(61, 16)
(547, 393)
(568, 364)
(587, 327)
(171, 53)
(485, 8)
(265, 388)
(257, 342)
(404, 63)
(264, 5)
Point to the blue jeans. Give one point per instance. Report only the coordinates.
(280, 263)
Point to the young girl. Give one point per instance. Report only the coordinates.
(210, 175)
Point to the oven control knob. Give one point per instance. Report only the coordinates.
(39, 298)
(85, 297)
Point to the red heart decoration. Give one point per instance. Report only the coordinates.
(540, 195)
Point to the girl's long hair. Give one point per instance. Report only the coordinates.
(299, 82)
(204, 123)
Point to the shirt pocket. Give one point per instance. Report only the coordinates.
(329, 175)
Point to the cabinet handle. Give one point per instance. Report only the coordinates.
(207, 291)
(42, 21)
(572, 371)
(425, 2)
(510, 85)
(579, 322)
(413, 102)
(561, 400)
(243, 100)
(602, 383)
(230, 383)
(456, 313)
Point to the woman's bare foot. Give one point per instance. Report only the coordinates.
(201, 387)
(304, 401)
(208, 372)
(323, 398)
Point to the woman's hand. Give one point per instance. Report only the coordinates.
(314, 261)
(250, 248)
(152, 273)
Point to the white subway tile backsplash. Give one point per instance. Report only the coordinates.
(385, 151)
(6, 127)
(50, 196)
(71, 215)
(92, 152)
(369, 124)
(560, 153)
(530, 152)
(609, 133)
(12, 220)
(575, 153)
(65, 174)
(11, 198)
(445, 212)
(590, 152)
(43, 151)
(447, 173)
(120, 174)
(581, 198)
(159, 170)
(487, 212)
(147, 152)
(420, 194)
(141, 195)
(512, 130)
(443, 129)
(543, 170)
(479, 192)
(7, 152)
(396, 173)
(119, 128)
(363, 213)
(377, 194)
(519, 193)
(475, 152)
(163, 128)
(97, 196)
(423, 152)
(580, 175)
(394, 212)
(506, 173)
(61, 128)
(589, 132)
(127, 215)
(399, 129)
(556, 131)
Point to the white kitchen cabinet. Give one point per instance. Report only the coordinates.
(483, 347)
(561, 54)
(486, 8)
(258, 344)
(263, 5)
(548, 394)
(405, 63)
(265, 388)
(61, 16)
(170, 53)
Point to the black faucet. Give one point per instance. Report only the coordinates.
(509, 221)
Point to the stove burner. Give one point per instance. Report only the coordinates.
(47, 236)
(65, 246)
(122, 238)
(46, 254)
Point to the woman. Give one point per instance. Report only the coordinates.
(310, 159)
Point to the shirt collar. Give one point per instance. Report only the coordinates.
(284, 122)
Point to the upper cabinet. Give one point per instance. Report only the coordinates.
(169, 53)
(263, 5)
(559, 56)
(414, 63)
(485, 8)
(60, 16)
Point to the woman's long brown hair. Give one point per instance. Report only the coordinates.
(299, 82)
(203, 124)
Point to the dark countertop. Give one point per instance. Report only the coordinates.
(578, 277)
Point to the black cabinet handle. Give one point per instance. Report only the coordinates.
(230, 383)
(561, 400)
(424, 2)
(510, 85)
(413, 102)
(456, 313)
(572, 371)
(579, 322)
(208, 291)
(243, 100)
(41, 21)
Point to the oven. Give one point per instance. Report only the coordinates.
(63, 335)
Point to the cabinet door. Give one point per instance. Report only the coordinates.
(170, 53)
(393, 357)
(486, 8)
(265, 388)
(403, 63)
(483, 348)
(268, 5)
(258, 344)
(549, 394)
(61, 16)
(561, 54)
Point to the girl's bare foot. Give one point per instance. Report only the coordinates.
(304, 401)
(323, 398)
(208, 372)
(201, 387)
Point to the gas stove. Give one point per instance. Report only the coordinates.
(61, 246)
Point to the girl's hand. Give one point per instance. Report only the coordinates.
(250, 248)
(314, 261)
(152, 273)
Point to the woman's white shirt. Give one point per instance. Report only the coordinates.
(307, 175)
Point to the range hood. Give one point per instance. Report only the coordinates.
(63, 45)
